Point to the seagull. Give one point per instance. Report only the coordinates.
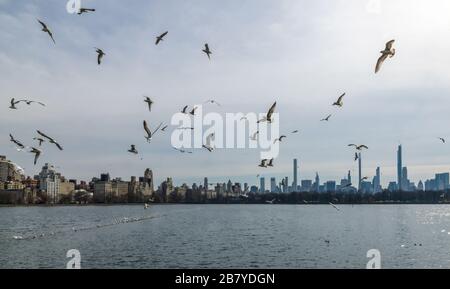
(18, 143)
(339, 102)
(13, 103)
(50, 140)
(365, 178)
(334, 206)
(295, 131)
(164, 128)
(212, 101)
(100, 55)
(207, 51)
(40, 140)
(268, 117)
(327, 118)
(28, 102)
(208, 143)
(149, 132)
(149, 102)
(182, 150)
(191, 128)
(387, 52)
(270, 164)
(193, 111)
(37, 153)
(255, 136)
(442, 139)
(160, 37)
(359, 147)
(85, 10)
(184, 109)
(279, 139)
(133, 149)
(46, 30)
(356, 157)
(263, 163)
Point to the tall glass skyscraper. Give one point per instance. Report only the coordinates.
(295, 183)
(399, 168)
(262, 185)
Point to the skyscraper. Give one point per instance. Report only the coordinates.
(377, 181)
(399, 168)
(359, 172)
(295, 184)
(262, 185)
(317, 183)
(273, 185)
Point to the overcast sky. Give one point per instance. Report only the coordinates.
(302, 54)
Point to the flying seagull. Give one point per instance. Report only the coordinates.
(184, 110)
(46, 30)
(279, 139)
(295, 131)
(85, 10)
(208, 143)
(358, 147)
(100, 55)
(193, 111)
(182, 150)
(213, 102)
(356, 157)
(207, 51)
(442, 139)
(29, 102)
(40, 140)
(13, 103)
(37, 153)
(269, 114)
(149, 132)
(50, 140)
(327, 118)
(339, 102)
(160, 37)
(263, 163)
(365, 178)
(18, 143)
(133, 149)
(149, 102)
(387, 52)
(164, 128)
(255, 136)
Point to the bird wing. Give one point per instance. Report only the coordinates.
(44, 135)
(157, 128)
(364, 146)
(271, 110)
(147, 130)
(380, 61)
(207, 47)
(352, 145)
(58, 145)
(164, 34)
(340, 98)
(184, 109)
(43, 24)
(389, 44)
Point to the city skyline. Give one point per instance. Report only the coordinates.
(246, 65)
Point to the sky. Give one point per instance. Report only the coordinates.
(302, 54)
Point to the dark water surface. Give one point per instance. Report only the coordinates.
(226, 236)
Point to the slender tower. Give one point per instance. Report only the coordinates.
(359, 172)
(399, 168)
(295, 184)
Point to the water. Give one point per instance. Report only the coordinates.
(226, 236)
